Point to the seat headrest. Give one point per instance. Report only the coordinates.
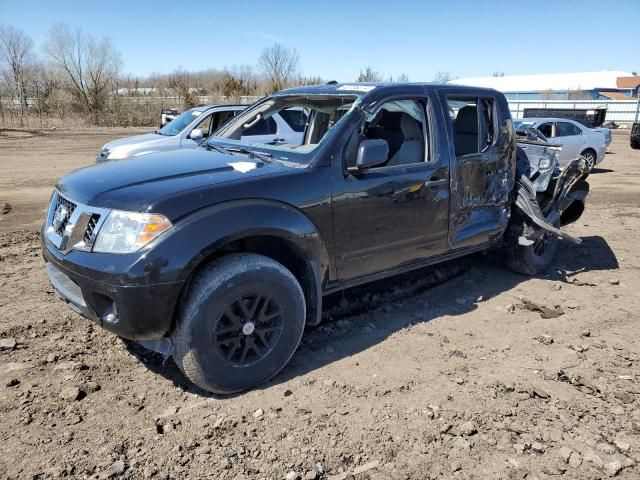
(410, 128)
(467, 120)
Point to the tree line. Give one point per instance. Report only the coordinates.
(77, 78)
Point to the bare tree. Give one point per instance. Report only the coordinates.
(402, 78)
(279, 64)
(442, 77)
(498, 74)
(16, 52)
(546, 94)
(180, 81)
(90, 67)
(369, 75)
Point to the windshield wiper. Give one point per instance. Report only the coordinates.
(217, 148)
(265, 157)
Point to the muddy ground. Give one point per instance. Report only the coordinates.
(446, 373)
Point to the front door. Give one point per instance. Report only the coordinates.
(396, 213)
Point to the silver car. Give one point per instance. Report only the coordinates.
(576, 139)
(191, 127)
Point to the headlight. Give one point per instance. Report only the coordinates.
(118, 154)
(544, 163)
(127, 232)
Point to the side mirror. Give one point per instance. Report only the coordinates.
(196, 134)
(371, 153)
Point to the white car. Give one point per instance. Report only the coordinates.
(191, 127)
(576, 139)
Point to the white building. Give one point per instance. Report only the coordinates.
(604, 85)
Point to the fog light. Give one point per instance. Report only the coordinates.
(111, 315)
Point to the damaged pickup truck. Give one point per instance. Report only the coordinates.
(221, 255)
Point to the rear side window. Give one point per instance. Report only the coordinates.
(474, 124)
(566, 129)
(263, 127)
(296, 119)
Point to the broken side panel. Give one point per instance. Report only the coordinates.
(483, 171)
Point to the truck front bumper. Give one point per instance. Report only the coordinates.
(133, 311)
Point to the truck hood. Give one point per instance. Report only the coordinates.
(145, 138)
(135, 184)
(140, 144)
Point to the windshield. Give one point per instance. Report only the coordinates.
(523, 124)
(286, 126)
(179, 123)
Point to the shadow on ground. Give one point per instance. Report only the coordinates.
(597, 170)
(361, 317)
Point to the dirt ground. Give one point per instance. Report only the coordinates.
(446, 373)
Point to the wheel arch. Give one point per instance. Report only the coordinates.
(590, 149)
(273, 229)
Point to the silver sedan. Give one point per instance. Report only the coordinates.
(576, 139)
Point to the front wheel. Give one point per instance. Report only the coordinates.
(241, 322)
(529, 259)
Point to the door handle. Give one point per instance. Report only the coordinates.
(436, 183)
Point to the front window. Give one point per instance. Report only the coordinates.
(178, 124)
(310, 120)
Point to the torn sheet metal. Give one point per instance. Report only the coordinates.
(527, 203)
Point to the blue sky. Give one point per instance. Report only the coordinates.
(336, 39)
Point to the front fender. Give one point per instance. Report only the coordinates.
(209, 229)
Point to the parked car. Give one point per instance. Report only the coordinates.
(166, 115)
(191, 127)
(634, 140)
(576, 139)
(221, 255)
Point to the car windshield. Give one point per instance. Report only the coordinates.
(291, 126)
(179, 123)
(523, 124)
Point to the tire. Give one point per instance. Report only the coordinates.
(590, 157)
(228, 337)
(528, 259)
(634, 145)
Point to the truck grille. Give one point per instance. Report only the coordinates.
(71, 225)
(63, 205)
(89, 233)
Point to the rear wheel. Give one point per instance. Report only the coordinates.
(240, 324)
(589, 157)
(529, 259)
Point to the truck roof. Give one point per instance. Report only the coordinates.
(378, 87)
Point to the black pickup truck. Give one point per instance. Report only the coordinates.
(634, 139)
(221, 255)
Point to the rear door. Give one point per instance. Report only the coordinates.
(263, 131)
(483, 173)
(571, 139)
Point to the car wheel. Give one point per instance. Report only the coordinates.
(634, 145)
(241, 322)
(589, 157)
(529, 259)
